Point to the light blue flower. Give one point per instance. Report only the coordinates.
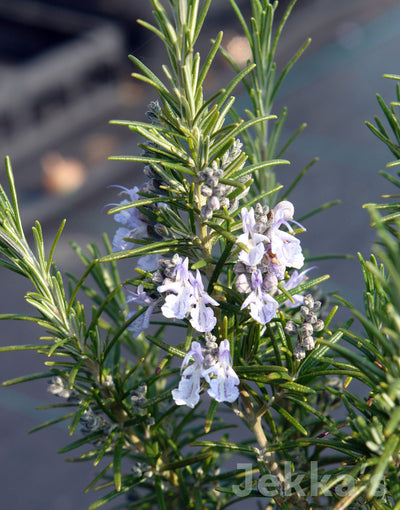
(178, 303)
(188, 391)
(224, 380)
(252, 239)
(133, 226)
(188, 297)
(202, 316)
(295, 279)
(149, 262)
(221, 377)
(140, 298)
(262, 305)
(285, 247)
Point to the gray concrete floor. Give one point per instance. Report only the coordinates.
(333, 89)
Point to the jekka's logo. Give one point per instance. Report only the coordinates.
(311, 484)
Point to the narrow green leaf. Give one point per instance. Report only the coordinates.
(168, 348)
(210, 415)
(27, 378)
(151, 248)
(226, 446)
(10, 348)
(291, 419)
(51, 422)
(90, 438)
(187, 461)
(118, 452)
(392, 445)
(297, 388)
(11, 184)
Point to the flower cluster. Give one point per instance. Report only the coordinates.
(310, 324)
(213, 364)
(57, 386)
(90, 421)
(269, 252)
(179, 294)
(186, 297)
(135, 225)
(216, 192)
(146, 300)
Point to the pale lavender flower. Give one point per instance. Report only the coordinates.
(284, 246)
(187, 296)
(295, 279)
(283, 214)
(224, 380)
(252, 239)
(202, 316)
(133, 226)
(221, 377)
(140, 298)
(119, 242)
(178, 303)
(262, 305)
(188, 391)
(149, 262)
(242, 284)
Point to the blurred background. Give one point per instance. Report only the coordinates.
(64, 73)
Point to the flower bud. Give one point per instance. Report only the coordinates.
(243, 284)
(311, 318)
(220, 190)
(299, 353)
(317, 306)
(291, 328)
(258, 209)
(309, 301)
(319, 325)
(212, 181)
(162, 230)
(206, 213)
(304, 311)
(213, 203)
(270, 283)
(260, 227)
(306, 329)
(149, 171)
(308, 343)
(224, 201)
(206, 191)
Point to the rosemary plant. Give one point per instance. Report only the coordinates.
(219, 324)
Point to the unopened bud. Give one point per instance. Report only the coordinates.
(162, 230)
(308, 343)
(206, 190)
(304, 311)
(311, 318)
(291, 328)
(309, 301)
(206, 213)
(317, 306)
(224, 201)
(212, 181)
(299, 353)
(319, 325)
(213, 203)
(306, 329)
(243, 284)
